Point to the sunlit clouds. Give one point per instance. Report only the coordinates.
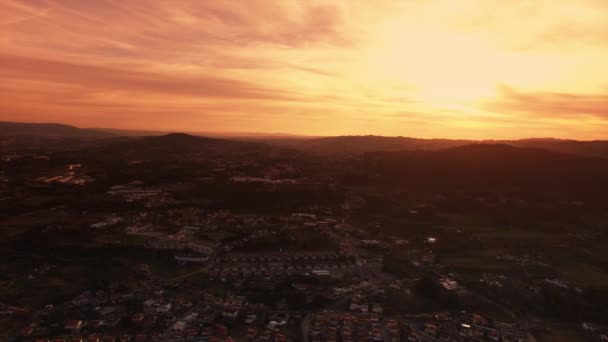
(437, 68)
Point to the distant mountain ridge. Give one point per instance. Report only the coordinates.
(220, 135)
(326, 146)
(356, 145)
(48, 130)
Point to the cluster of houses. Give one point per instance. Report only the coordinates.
(73, 174)
(214, 317)
(136, 192)
(183, 240)
(261, 180)
(279, 264)
(597, 332)
(339, 326)
(110, 318)
(464, 327)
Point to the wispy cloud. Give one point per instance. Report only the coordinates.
(550, 104)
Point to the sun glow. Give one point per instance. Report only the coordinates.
(452, 69)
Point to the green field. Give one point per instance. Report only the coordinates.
(584, 275)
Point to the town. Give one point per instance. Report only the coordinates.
(253, 245)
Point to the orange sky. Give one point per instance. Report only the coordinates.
(435, 68)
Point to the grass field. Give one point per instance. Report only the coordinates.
(561, 334)
(584, 275)
(476, 265)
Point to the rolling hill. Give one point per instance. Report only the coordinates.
(357, 145)
(176, 146)
(47, 130)
(482, 167)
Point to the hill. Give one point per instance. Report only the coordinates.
(47, 134)
(176, 146)
(47, 130)
(482, 167)
(357, 145)
(218, 135)
(596, 148)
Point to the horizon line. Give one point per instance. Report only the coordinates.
(294, 135)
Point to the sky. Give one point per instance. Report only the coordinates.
(474, 69)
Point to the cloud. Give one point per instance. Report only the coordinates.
(112, 78)
(550, 104)
(330, 66)
(535, 25)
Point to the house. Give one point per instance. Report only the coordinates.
(137, 318)
(230, 313)
(107, 310)
(192, 333)
(111, 323)
(370, 243)
(27, 331)
(251, 333)
(449, 284)
(73, 325)
(321, 273)
(221, 330)
(94, 324)
(179, 326)
(203, 247)
(191, 259)
(250, 318)
(557, 283)
(377, 309)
